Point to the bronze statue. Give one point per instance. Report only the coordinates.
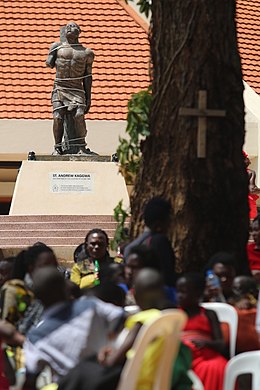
(71, 95)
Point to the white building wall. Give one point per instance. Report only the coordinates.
(18, 137)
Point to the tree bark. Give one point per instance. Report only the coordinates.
(194, 47)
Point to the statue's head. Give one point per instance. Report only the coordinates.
(72, 28)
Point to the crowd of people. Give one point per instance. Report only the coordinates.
(73, 329)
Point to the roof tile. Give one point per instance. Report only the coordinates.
(121, 53)
(248, 32)
(116, 35)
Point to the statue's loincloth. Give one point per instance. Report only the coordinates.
(69, 94)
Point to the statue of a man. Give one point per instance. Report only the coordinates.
(71, 95)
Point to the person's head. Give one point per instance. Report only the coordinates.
(190, 289)
(256, 230)
(6, 269)
(113, 273)
(149, 289)
(109, 292)
(72, 29)
(246, 159)
(20, 266)
(79, 253)
(244, 285)
(49, 286)
(223, 265)
(39, 243)
(139, 257)
(39, 256)
(96, 244)
(157, 215)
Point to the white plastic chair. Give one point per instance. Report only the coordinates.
(196, 382)
(244, 363)
(226, 313)
(168, 325)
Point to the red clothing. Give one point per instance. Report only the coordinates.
(208, 364)
(252, 198)
(253, 256)
(4, 384)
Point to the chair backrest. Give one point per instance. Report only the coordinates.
(226, 313)
(168, 326)
(196, 382)
(244, 363)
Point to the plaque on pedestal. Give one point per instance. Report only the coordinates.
(68, 188)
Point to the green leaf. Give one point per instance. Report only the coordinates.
(128, 151)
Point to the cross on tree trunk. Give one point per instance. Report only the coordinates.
(202, 112)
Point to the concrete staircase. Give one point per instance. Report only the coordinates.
(62, 232)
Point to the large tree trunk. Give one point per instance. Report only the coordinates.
(194, 47)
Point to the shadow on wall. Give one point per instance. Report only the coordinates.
(4, 208)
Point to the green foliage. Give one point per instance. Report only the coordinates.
(129, 151)
(145, 6)
(120, 216)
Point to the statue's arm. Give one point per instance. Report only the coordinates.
(50, 62)
(87, 81)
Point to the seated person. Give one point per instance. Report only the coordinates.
(202, 333)
(69, 329)
(108, 292)
(17, 295)
(150, 296)
(253, 250)
(139, 257)
(6, 269)
(84, 273)
(223, 266)
(79, 269)
(8, 334)
(244, 300)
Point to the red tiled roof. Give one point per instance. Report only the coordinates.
(109, 27)
(248, 31)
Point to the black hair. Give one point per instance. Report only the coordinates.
(39, 243)
(97, 231)
(49, 286)
(79, 253)
(156, 210)
(109, 292)
(248, 285)
(225, 258)
(20, 266)
(109, 272)
(196, 281)
(33, 252)
(146, 255)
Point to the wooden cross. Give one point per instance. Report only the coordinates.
(202, 112)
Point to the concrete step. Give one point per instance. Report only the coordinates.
(56, 218)
(49, 233)
(56, 225)
(23, 242)
(63, 233)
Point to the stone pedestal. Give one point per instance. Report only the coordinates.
(59, 187)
